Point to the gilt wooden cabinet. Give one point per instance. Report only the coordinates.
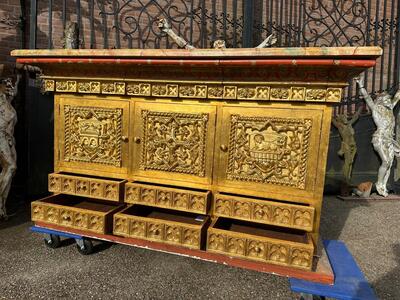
(218, 150)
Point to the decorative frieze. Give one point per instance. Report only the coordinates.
(260, 248)
(163, 231)
(172, 198)
(86, 186)
(197, 90)
(264, 211)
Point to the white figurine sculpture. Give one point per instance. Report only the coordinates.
(8, 154)
(165, 27)
(383, 138)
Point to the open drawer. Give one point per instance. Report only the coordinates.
(107, 189)
(264, 211)
(161, 225)
(75, 212)
(261, 242)
(188, 200)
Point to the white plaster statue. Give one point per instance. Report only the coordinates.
(165, 27)
(8, 155)
(383, 138)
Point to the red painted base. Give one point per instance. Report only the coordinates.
(321, 273)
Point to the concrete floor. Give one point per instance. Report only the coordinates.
(28, 269)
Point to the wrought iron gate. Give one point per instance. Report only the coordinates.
(133, 24)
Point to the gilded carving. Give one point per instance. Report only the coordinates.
(115, 88)
(315, 94)
(215, 92)
(178, 199)
(269, 150)
(191, 237)
(68, 216)
(260, 248)
(173, 234)
(298, 93)
(198, 90)
(137, 228)
(230, 92)
(121, 225)
(280, 93)
(83, 186)
(264, 211)
(333, 94)
(174, 142)
(93, 135)
(92, 87)
(48, 85)
(194, 91)
(67, 86)
(138, 89)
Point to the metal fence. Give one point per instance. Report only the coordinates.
(133, 24)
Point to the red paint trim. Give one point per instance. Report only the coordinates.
(204, 62)
(322, 276)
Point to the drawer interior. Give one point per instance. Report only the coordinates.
(164, 214)
(262, 230)
(80, 202)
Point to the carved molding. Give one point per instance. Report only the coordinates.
(260, 248)
(85, 186)
(264, 211)
(197, 90)
(172, 198)
(160, 231)
(174, 142)
(93, 135)
(269, 150)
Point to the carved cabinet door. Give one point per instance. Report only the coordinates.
(173, 143)
(269, 152)
(91, 136)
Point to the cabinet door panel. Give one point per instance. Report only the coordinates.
(92, 136)
(271, 152)
(174, 142)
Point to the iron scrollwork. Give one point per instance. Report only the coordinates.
(335, 23)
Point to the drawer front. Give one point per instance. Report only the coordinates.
(264, 211)
(258, 248)
(173, 142)
(91, 136)
(176, 233)
(71, 217)
(88, 187)
(172, 198)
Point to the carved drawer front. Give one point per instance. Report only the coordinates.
(75, 212)
(260, 242)
(264, 211)
(173, 198)
(161, 225)
(271, 152)
(173, 143)
(92, 136)
(107, 189)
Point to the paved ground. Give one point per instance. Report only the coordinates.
(30, 270)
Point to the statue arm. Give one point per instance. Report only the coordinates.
(268, 42)
(364, 93)
(166, 28)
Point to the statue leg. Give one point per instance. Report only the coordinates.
(386, 154)
(9, 166)
(348, 163)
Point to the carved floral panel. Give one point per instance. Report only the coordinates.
(174, 142)
(93, 135)
(269, 150)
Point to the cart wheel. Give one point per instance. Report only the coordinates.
(84, 246)
(52, 241)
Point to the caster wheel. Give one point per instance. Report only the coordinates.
(52, 241)
(84, 246)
